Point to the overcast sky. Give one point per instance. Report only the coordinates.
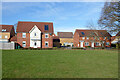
(66, 16)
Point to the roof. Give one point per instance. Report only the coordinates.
(88, 33)
(118, 34)
(65, 34)
(23, 26)
(7, 28)
(14, 38)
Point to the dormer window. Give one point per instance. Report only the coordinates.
(46, 28)
(35, 34)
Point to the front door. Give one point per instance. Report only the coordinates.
(92, 44)
(81, 44)
(35, 44)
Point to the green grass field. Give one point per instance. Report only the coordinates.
(60, 64)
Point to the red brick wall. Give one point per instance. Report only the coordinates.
(50, 41)
(20, 39)
(76, 40)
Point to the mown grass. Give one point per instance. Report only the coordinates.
(60, 64)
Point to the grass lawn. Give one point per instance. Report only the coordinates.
(60, 64)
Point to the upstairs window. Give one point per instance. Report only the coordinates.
(87, 37)
(104, 38)
(107, 43)
(35, 34)
(3, 30)
(5, 36)
(46, 27)
(108, 38)
(24, 35)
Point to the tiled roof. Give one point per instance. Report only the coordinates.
(27, 26)
(92, 32)
(65, 34)
(7, 28)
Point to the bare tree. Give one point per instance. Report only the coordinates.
(95, 33)
(110, 17)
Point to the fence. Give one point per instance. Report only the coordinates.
(7, 45)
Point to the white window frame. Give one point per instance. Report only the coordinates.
(24, 45)
(87, 38)
(6, 36)
(104, 38)
(47, 43)
(23, 35)
(46, 35)
(108, 43)
(108, 38)
(87, 43)
(97, 43)
(0, 36)
(83, 37)
(35, 34)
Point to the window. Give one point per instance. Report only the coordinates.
(108, 38)
(3, 30)
(83, 37)
(86, 43)
(35, 34)
(82, 33)
(24, 44)
(5, 36)
(97, 43)
(46, 27)
(107, 43)
(35, 43)
(46, 44)
(24, 35)
(104, 38)
(87, 37)
(46, 35)
(0, 36)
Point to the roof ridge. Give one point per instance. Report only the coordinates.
(33, 22)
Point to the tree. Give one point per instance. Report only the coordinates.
(94, 33)
(110, 17)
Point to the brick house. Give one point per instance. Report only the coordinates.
(35, 34)
(6, 33)
(91, 38)
(116, 39)
(66, 38)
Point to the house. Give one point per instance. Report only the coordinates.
(115, 40)
(66, 38)
(35, 34)
(6, 33)
(91, 38)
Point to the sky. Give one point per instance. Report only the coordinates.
(66, 16)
